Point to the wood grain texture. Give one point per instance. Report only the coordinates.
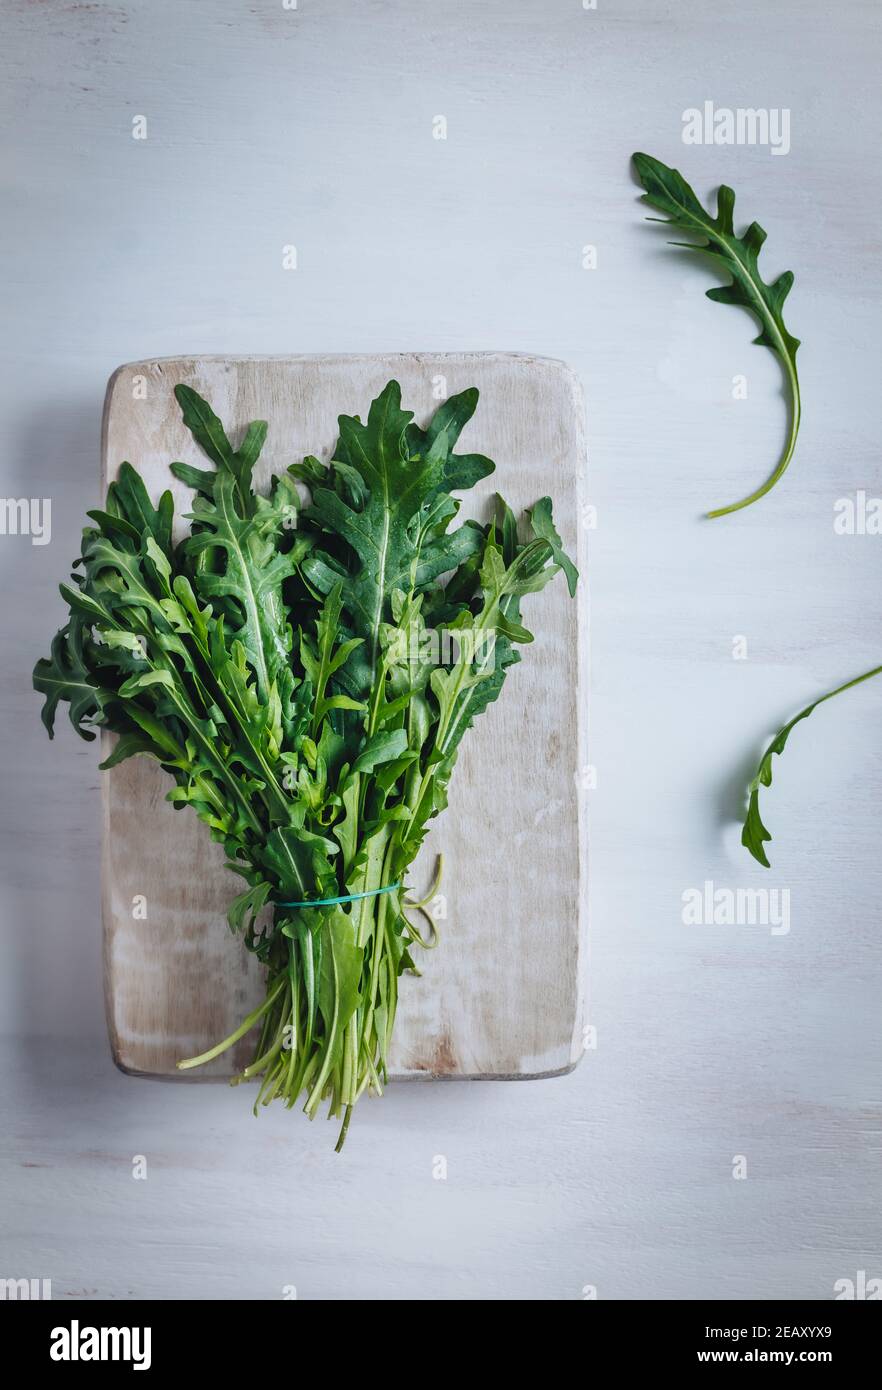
(503, 995)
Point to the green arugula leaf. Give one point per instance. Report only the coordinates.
(65, 675)
(754, 834)
(390, 543)
(298, 861)
(252, 576)
(338, 993)
(668, 191)
(128, 500)
(244, 908)
(381, 748)
(542, 522)
(211, 437)
(459, 471)
(127, 746)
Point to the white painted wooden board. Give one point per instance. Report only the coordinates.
(503, 994)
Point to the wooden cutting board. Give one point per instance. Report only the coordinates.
(503, 994)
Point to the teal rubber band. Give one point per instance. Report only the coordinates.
(349, 898)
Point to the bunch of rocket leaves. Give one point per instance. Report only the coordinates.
(281, 663)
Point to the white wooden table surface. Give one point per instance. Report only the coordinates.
(712, 1042)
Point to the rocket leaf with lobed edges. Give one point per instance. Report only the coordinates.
(668, 191)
